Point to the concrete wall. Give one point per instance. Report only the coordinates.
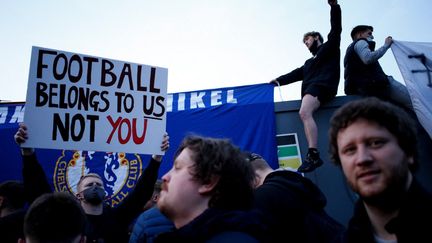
(329, 177)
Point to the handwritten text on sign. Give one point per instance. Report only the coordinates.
(76, 101)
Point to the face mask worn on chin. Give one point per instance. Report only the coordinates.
(94, 195)
(314, 47)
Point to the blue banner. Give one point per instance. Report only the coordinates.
(243, 114)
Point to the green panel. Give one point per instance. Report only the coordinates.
(285, 151)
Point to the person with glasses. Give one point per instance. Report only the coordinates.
(292, 205)
(364, 75)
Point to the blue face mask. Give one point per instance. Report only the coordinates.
(370, 38)
(94, 195)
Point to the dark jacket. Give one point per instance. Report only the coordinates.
(323, 70)
(112, 225)
(148, 225)
(361, 78)
(216, 225)
(293, 207)
(11, 227)
(411, 225)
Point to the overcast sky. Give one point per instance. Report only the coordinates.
(204, 43)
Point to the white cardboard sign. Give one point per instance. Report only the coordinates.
(83, 102)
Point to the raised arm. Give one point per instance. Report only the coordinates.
(134, 202)
(335, 22)
(34, 178)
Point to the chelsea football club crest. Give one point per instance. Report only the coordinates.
(119, 172)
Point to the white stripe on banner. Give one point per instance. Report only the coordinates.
(415, 63)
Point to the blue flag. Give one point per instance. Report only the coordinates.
(243, 114)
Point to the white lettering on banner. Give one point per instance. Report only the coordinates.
(216, 98)
(3, 114)
(197, 100)
(181, 102)
(230, 97)
(18, 115)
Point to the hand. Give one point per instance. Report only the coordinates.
(165, 143)
(388, 41)
(332, 2)
(274, 82)
(20, 137)
(164, 147)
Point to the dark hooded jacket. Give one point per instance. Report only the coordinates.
(11, 227)
(293, 207)
(218, 225)
(409, 226)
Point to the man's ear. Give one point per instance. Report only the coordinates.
(155, 198)
(208, 187)
(20, 240)
(357, 35)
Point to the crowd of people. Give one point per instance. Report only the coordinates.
(216, 192)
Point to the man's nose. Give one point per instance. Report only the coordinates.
(363, 155)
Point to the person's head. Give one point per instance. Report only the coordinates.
(207, 173)
(260, 166)
(55, 217)
(362, 32)
(313, 40)
(90, 189)
(12, 197)
(375, 144)
(155, 197)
